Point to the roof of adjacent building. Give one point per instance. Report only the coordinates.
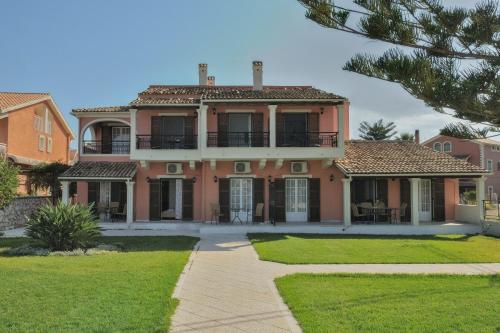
(96, 170)
(103, 109)
(484, 141)
(9, 100)
(400, 158)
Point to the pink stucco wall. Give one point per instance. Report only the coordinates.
(459, 147)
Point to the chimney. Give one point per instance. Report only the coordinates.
(202, 74)
(417, 136)
(211, 81)
(257, 75)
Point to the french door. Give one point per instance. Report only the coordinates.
(296, 199)
(120, 140)
(425, 200)
(241, 199)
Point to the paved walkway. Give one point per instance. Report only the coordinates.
(226, 288)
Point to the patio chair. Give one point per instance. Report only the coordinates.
(121, 215)
(259, 211)
(402, 211)
(356, 214)
(216, 214)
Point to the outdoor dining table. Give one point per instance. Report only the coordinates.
(375, 212)
(236, 218)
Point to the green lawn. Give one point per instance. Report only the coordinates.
(393, 303)
(128, 291)
(343, 249)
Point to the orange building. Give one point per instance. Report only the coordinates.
(32, 131)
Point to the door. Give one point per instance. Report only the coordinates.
(425, 200)
(241, 199)
(240, 127)
(172, 132)
(120, 140)
(296, 200)
(294, 130)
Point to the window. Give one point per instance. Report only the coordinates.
(447, 147)
(49, 145)
(490, 192)
(38, 123)
(437, 146)
(495, 148)
(48, 126)
(41, 143)
(489, 165)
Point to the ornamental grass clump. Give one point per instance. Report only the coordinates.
(63, 227)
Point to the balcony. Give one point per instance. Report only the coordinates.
(307, 139)
(238, 139)
(167, 142)
(103, 147)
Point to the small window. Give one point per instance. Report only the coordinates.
(38, 123)
(489, 165)
(437, 146)
(49, 145)
(41, 143)
(48, 126)
(495, 148)
(447, 147)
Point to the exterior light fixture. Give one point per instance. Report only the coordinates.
(194, 180)
(332, 177)
(215, 179)
(214, 111)
(270, 178)
(322, 109)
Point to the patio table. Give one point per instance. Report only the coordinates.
(381, 211)
(236, 218)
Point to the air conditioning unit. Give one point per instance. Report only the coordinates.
(299, 167)
(174, 168)
(242, 167)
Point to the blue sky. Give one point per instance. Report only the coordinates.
(97, 53)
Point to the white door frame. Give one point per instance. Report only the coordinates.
(295, 213)
(425, 200)
(240, 198)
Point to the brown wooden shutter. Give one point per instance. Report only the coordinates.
(106, 140)
(224, 188)
(222, 129)
(156, 132)
(93, 193)
(154, 200)
(257, 129)
(279, 200)
(258, 197)
(313, 129)
(187, 199)
(405, 190)
(382, 191)
(438, 211)
(189, 140)
(280, 122)
(314, 200)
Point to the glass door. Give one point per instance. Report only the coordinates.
(296, 200)
(120, 140)
(240, 127)
(425, 200)
(241, 200)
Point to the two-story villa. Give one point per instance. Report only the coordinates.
(32, 131)
(251, 154)
(484, 153)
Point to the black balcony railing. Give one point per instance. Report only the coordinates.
(103, 147)
(167, 141)
(238, 139)
(306, 139)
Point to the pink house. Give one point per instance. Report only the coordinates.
(250, 154)
(485, 153)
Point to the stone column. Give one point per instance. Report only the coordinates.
(480, 196)
(65, 191)
(415, 207)
(346, 193)
(202, 126)
(272, 125)
(130, 202)
(133, 129)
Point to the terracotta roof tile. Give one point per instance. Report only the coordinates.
(103, 109)
(100, 170)
(165, 101)
(12, 99)
(400, 157)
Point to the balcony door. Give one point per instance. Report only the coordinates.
(172, 132)
(120, 140)
(240, 128)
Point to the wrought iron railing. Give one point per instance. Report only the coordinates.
(306, 139)
(103, 147)
(238, 139)
(167, 141)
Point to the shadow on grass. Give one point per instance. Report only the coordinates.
(125, 244)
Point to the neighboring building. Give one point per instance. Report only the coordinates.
(32, 131)
(484, 153)
(180, 152)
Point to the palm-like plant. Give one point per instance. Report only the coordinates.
(405, 136)
(377, 131)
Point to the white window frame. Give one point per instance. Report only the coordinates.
(495, 148)
(444, 147)
(489, 165)
(48, 125)
(42, 142)
(435, 145)
(38, 123)
(49, 145)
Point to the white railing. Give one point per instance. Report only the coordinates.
(468, 213)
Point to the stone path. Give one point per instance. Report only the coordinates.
(226, 288)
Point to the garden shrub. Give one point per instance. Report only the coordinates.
(63, 227)
(8, 182)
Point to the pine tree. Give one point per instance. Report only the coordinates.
(447, 57)
(462, 131)
(377, 131)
